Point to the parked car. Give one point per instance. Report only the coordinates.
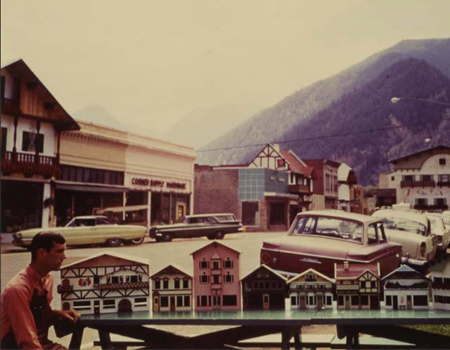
(320, 239)
(213, 226)
(412, 230)
(84, 230)
(440, 230)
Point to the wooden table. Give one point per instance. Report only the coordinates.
(251, 324)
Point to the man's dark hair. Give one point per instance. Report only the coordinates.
(45, 240)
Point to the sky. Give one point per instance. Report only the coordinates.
(149, 63)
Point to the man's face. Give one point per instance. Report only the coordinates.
(55, 257)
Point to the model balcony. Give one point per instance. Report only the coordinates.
(10, 106)
(404, 184)
(431, 207)
(124, 285)
(313, 289)
(64, 289)
(302, 189)
(29, 164)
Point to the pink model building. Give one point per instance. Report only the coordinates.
(216, 278)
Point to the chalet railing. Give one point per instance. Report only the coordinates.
(64, 289)
(299, 189)
(404, 184)
(28, 158)
(312, 289)
(29, 165)
(10, 106)
(124, 285)
(431, 207)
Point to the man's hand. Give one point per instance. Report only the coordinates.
(70, 315)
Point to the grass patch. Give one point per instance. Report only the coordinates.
(436, 329)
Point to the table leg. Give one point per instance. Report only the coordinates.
(77, 337)
(297, 339)
(105, 339)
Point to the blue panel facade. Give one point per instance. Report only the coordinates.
(254, 182)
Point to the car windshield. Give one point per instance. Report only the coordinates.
(104, 221)
(224, 218)
(330, 227)
(405, 225)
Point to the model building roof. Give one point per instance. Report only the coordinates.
(110, 254)
(310, 271)
(215, 244)
(404, 272)
(169, 270)
(268, 269)
(355, 270)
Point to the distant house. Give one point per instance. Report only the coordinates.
(216, 278)
(357, 285)
(265, 194)
(106, 282)
(264, 289)
(421, 179)
(311, 290)
(346, 190)
(440, 277)
(171, 290)
(405, 288)
(325, 184)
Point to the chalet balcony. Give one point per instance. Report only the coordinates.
(29, 164)
(404, 184)
(10, 106)
(443, 183)
(302, 189)
(312, 289)
(431, 207)
(124, 285)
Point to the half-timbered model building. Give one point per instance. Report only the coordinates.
(357, 285)
(311, 290)
(105, 283)
(405, 288)
(264, 289)
(216, 278)
(265, 194)
(440, 278)
(171, 290)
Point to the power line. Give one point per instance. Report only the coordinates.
(323, 136)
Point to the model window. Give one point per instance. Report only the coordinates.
(82, 305)
(134, 279)
(408, 178)
(355, 300)
(216, 265)
(216, 279)
(444, 178)
(185, 283)
(165, 283)
(204, 264)
(164, 301)
(420, 300)
(442, 161)
(329, 300)
(364, 300)
(140, 301)
(340, 300)
(204, 278)
(187, 301)
(228, 264)
(427, 177)
(293, 300)
(204, 300)
(177, 283)
(229, 300)
(31, 141)
(179, 301)
(104, 221)
(157, 284)
(115, 279)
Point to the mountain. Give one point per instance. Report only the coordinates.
(98, 115)
(274, 123)
(202, 126)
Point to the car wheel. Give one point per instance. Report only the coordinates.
(220, 235)
(158, 239)
(137, 241)
(167, 237)
(113, 242)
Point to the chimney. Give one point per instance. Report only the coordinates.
(346, 265)
(276, 146)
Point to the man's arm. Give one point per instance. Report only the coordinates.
(17, 308)
(70, 315)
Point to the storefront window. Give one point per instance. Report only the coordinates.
(79, 174)
(250, 213)
(277, 213)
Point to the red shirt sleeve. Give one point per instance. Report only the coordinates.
(17, 308)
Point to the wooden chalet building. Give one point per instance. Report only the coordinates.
(264, 289)
(32, 123)
(105, 283)
(405, 288)
(357, 285)
(171, 290)
(216, 278)
(311, 290)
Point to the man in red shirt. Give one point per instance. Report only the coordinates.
(26, 314)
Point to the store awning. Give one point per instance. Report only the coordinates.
(89, 188)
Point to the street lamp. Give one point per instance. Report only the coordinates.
(398, 99)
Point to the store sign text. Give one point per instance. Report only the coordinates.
(157, 183)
